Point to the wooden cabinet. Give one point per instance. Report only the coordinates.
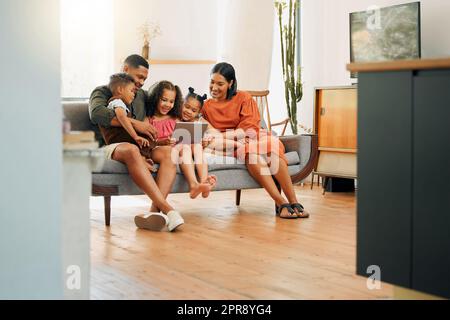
(335, 123)
(403, 205)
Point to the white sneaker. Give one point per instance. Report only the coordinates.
(175, 220)
(154, 221)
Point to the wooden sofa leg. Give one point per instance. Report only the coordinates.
(107, 200)
(238, 197)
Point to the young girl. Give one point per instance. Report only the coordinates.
(165, 109)
(190, 112)
(214, 143)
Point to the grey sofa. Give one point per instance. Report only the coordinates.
(113, 179)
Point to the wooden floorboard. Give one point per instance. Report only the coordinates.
(229, 252)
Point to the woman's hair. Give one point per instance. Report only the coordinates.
(228, 72)
(155, 94)
(194, 95)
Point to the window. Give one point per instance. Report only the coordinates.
(86, 46)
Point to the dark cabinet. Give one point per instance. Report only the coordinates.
(431, 188)
(403, 222)
(384, 169)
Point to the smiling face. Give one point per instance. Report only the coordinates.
(191, 110)
(219, 87)
(127, 92)
(166, 102)
(139, 74)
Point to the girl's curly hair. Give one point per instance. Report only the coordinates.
(155, 94)
(196, 96)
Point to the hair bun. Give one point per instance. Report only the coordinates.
(191, 90)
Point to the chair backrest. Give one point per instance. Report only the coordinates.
(263, 107)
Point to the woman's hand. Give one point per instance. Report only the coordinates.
(242, 141)
(236, 135)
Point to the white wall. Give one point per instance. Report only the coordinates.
(31, 161)
(189, 32)
(247, 41)
(86, 45)
(325, 43)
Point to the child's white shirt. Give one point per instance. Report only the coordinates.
(118, 103)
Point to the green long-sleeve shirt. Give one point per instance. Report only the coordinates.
(101, 115)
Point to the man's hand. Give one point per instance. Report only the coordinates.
(145, 128)
(142, 142)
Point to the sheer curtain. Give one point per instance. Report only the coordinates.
(86, 46)
(246, 39)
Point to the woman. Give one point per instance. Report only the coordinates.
(236, 115)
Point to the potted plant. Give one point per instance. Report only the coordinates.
(293, 86)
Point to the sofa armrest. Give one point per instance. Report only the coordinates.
(306, 146)
(299, 143)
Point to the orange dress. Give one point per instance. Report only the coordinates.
(241, 112)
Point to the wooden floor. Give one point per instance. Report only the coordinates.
(226, 252)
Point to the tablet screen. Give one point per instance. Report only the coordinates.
(189, 132)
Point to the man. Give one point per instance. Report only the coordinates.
(137, 67)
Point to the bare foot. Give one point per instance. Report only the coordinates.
(212, 181)
(199, 188)
(300, 211)
(285, 214)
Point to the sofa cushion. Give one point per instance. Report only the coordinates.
(112, 166)
(215, 163)
(77, 112)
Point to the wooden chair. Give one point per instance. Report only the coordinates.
(263, 106)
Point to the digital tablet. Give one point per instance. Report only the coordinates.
(189, 132)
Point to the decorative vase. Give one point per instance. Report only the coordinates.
(146, 51)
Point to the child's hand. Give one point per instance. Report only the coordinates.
(167, 142)
(206, 141)
(149, 164)
(142, 142)
(172, 142)
(242, 142)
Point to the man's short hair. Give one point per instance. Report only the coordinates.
(136, 61)
(119, 79)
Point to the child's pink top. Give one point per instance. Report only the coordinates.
(165, 127)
